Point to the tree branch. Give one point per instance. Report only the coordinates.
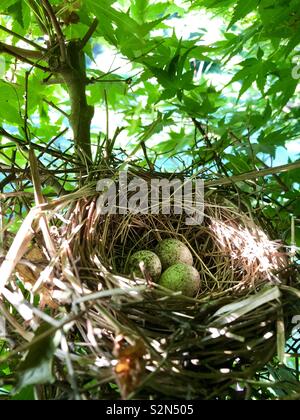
(150, 164)
(52, 104)
(253, 175)
(277, 177)
(23, 55)
(7, 180)
(22, 143)
(217, 158)
(27, 41)
(48, 81)
(81, 116)
(21, 52)
(35, 8)
(89, 33)
(59, 33)
(70, 66)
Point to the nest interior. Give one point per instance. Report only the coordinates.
(155, 343)
(129, 337)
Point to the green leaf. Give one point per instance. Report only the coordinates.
(286, 381)
(7, 3)
(144, 29)
(16, 10)
(37, 366)
(172, 67)
(261, 81)
(275, 138)
(9, 113)
(27, 394)
(9, 104)
(267, 112)
(246, 84)
(286, 85)
(162, 77)
(103, 10)
(183, 59)
(162, 9)
(242, 9)
(292, 44)
(138, 10)
(246, 72)
(260, 53)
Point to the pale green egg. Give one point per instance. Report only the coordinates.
(147, 259)
(173, 251)
(181, 278)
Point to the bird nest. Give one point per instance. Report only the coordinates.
(132, 338)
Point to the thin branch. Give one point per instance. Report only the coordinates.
(107, 123)
(22, 143)
(51, 180)
(34, 164)
(39, 201)
(4, 196)
(7, 180)
(278, 179)
(22, 55)
(35, 9)
(54, 140)
(9, 170)
(114, 139)
(89, 33)
(48, 81)
(94, 80)
(21, 52)
(217, 158)
(52, 104)
(144, 148)
(12, 177)
(27, 41)
(59, 33)
(253, 175)
(11, 159)
(26, 129)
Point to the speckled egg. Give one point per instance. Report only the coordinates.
(181, 278)
(150, 261)
(172, 251)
